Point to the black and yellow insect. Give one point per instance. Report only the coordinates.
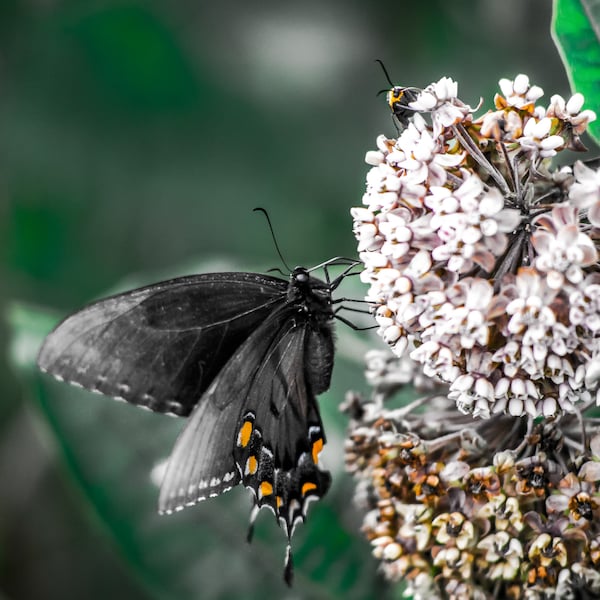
(399, 99)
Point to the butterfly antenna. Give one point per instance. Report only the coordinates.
(387, 75)
(264, 212)
(277, 270)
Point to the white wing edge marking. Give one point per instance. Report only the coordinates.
(172, 403)
(180, 507)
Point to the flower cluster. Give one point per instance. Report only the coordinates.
(482, 262)
(481, 258)
(461, 509)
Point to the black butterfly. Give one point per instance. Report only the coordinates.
(243, 354)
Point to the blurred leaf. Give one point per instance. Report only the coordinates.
(49, 550)
(37, 239)
(575, 27)
(110, 450)
(134, 57)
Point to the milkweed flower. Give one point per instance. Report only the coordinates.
(482, 265)
(481, 258)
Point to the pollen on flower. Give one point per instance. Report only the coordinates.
(481, 258)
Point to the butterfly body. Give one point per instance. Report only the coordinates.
(243, 355)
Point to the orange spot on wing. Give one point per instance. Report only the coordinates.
(244, 434)
(316, 448)
(266, 489)
(251, 465)
(307, 487)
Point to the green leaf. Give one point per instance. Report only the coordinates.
(576, 31)
(110, 450)
(133, 56)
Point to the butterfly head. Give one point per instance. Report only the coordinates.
(300, 277)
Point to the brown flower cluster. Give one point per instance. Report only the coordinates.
(461, 509)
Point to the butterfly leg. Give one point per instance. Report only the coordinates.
(350, 323)
(347, 272)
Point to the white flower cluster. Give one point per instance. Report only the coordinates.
(482, 261)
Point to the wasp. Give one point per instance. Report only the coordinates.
(399, 98)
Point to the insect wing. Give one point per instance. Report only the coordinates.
(258, 423)
(399, 99)
(161, 346)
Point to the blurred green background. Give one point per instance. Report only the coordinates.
(135, 138)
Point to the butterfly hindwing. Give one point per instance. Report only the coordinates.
(203, 454)
(160, 346)
(257, 423)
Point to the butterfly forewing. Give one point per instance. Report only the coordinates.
(160, 346)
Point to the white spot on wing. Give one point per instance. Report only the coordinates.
(283, 524)
(293, 508)
(307, 500)
(157, 474)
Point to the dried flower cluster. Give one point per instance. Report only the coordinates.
(487, 509)
(482, 259)
(482, 262)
